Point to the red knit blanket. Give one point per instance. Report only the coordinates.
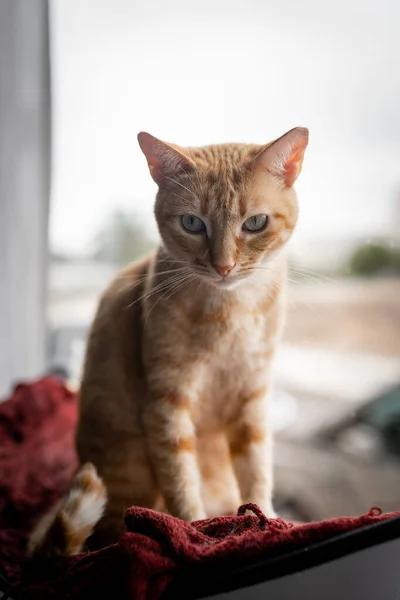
(37, 459)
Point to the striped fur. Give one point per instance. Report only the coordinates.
(174, 406)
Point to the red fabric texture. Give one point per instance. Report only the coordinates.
(37, 459)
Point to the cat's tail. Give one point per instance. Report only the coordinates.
(64, 531)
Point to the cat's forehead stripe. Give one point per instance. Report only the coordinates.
(225, 156)
(225, 170)
(221, 193)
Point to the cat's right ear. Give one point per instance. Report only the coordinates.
(165, 160)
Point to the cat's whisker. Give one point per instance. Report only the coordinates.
(199, 282)
(174, 261)
(188, 279)
(302, 299)
(310, 276)
(145, 278)
(173, 287)
(306, 278)
(161, 286)
(153, 274)
(272, 271)
(166, 285)
(295, 281)
(313, 273)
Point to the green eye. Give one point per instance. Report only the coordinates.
(192, 224)
(256, 223)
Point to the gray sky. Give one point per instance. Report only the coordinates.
(228, 70)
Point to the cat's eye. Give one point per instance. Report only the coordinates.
(192, 224)
(256, 223)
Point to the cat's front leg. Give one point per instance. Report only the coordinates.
(172, 447)
(250, 440)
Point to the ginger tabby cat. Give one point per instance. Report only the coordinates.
(174, 395)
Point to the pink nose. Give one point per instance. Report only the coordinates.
(223, 271)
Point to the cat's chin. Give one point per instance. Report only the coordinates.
(226, 284)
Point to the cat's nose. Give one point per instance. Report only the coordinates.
(223, 270)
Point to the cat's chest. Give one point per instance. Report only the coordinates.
(235, 361)
(223, 337)
(213, 352)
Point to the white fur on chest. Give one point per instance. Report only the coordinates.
(235, 364)
(224, 350)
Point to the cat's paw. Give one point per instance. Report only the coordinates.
(196, 514)
(268, 510)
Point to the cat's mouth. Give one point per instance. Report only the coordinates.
(225, 282)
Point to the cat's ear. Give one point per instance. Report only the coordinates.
(164, 160)
(284, 157)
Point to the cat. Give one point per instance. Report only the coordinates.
(174, 409)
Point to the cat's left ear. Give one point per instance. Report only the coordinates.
(284, 157)
(165, 160)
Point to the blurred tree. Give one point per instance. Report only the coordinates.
(122, 240)
(372, 259)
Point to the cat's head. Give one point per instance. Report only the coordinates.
(226, 210)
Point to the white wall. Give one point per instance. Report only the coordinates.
(24, 187)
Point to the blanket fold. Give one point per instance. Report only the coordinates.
(37, 460)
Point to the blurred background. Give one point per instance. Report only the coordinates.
(78, 80)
